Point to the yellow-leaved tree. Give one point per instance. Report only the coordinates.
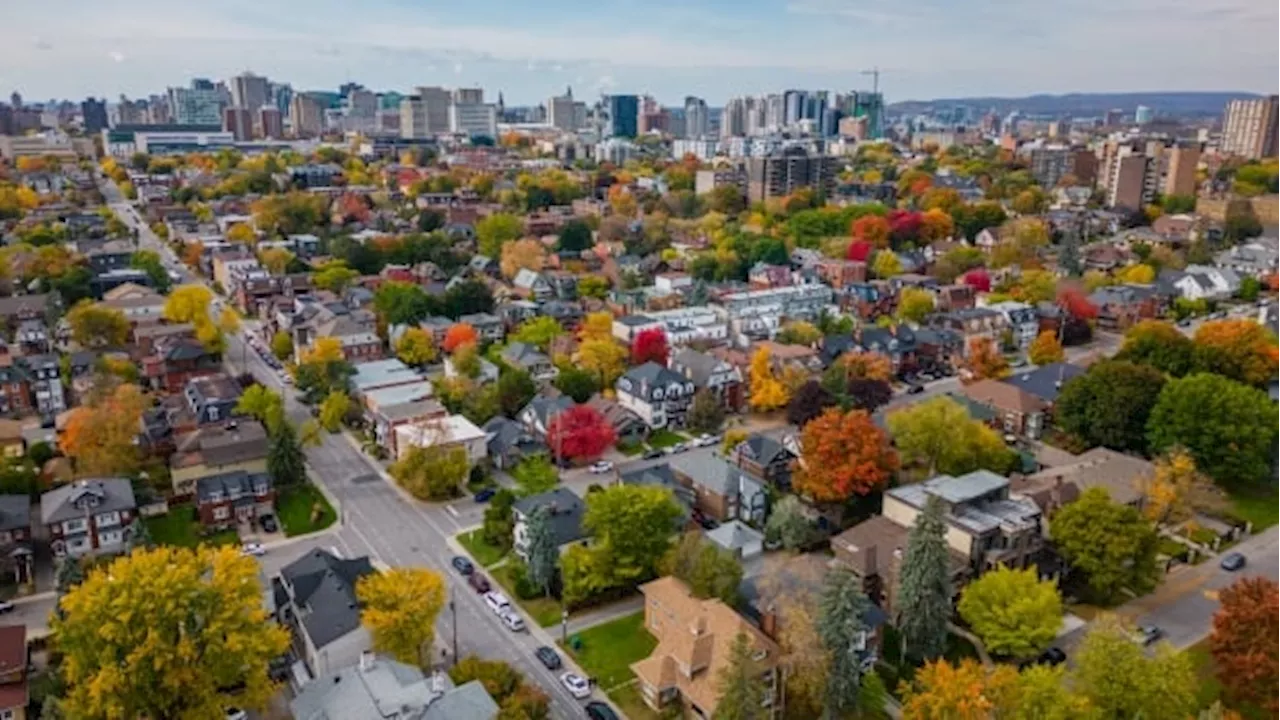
(99, 437)
(165, 633)
(1176, 489)
(767, 391)
(1046, 349)
(400, 609)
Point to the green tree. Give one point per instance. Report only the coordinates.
(1014, 612)
(334, 276)
(285, 461)
(68, 574)
(95, 326)
(575, 236)
(282, 345)
(535, 475)
(1110, 404)
(914, 304)
(706, 413)
(798, 332)
(149, 262)
(577, 383)
(1121, 681)
(543, 553)
(842, 630)
(262, 404)
(593, 286)
(708, 569)
(498, 520)
(924, 586)
(939, 434)
(1249, 288)
(334, 410)
(789, 526)
(402, 303)
(742, 694)
(1111, 544)
(515, 389)
(1160, 345)
(432, 473)
(632, 527)
(1229, 428)
(539, 331)
(494, 230)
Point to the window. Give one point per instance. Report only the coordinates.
(111, 537)
(107, 519)
(6, 714)
(77, 525)
(221, 513)
(213, 413)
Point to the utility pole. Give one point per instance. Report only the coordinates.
(453, 611)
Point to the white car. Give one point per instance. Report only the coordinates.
(235, 713)
(514, 622)
(497, 602)
(601, 467)
(705, 440)
(576, 685)
(253, 549)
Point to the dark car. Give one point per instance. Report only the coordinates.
(462, 565)
(269, 523)
(652, 454)
(485, 495)
(915, 389)
(548, 657)
(597, 710)
(1232, 562)
(1147, 634)
(1052, 656)
(479, 582)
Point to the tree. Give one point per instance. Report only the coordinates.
(726, 199)
(1136, 274)
(650, 346)
(96, 326)
(334, 276)
(1046, 349)
(219, 636)
(843, 454)
(528, 254)
(596, 326)
(433, 472)
(798, 332)
(282, 345)
(604, 358)
(261, 404)
(334, 410)
(242, 234)
(859, 251)
(575, 236)
(789, 526)
(1118, 679)
(742, 695)
(401, 303)
(99, 437)
(1242, 350)
(706, 412)
(767, 392)
(580, 432)
(400, 606)
(936, 224)
(979, 280)
(1244, 642)
(1031, 201)
(416, 347)
(577, 383)
(498, 520)
(495, 230)
(149, 262)
(459, 334)
(886, 264)
(535, 475)
(709, 570)
(1229, 428)
(1250, 287)
(924, 586)
(543, 552)
(189, 304)
(285, 461)
(1014, 612)
(841, 629)
(276, 260)
(632, 527)
(1176, 490)
(68, 574)
(914, 304)
(939, 434)
(984, 360)
(539, 331)
(1111, 544)
(808, 402)
(1109, 405)
(1160, 345)
(965, 691)
(872, 229)
(515, 389)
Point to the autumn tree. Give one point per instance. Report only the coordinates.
(416, 347)
(604, 358)
(493, 231)
(984, 360)
(1120, 681)
(220, 636)
(873, 229)
(1244, 642)
(939, 434)
(965, 691)
(539, 332)
(936, 224)
(650, 346)
(1176, 489)
(843, 454)
(528, 254)
(914, 304)
(742, 695)
(1014, 612)
(1137, 274)
(979, 280)
(706, 412)
(1046, 349)
(400, 606)
(96, 326)
(767, 391)
(1110, 544)
(808, 402)
(923, 600)
(596, 326)
(709, 570)
(433, 472)
(1160, 345)
(1109, 404)
(580, 432)
(866, 365)
(1241, 350)
(1076, 304)
(333, 411)
(262, 404)
(282, 345)
(459, 334)
(99, 437)
(276, 260)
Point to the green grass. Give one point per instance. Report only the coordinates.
(294, 505)
(1260, 507)
(664, 438)
(607, 651)
(892, 673)
(481, 551)
(1210, 689)
(543, 610)
(1172, 548)
(181, 527)
(630, 701)
(630, 449)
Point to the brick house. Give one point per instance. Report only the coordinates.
(15, 536)
(176, 360)
(13, 672)
(88, 517)
(234, 498)
(15, 389)
(1021, 413)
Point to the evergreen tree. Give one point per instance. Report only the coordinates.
(69, 574)
(741, 691)
(924, 587)
(139, 535)
(543, 553)
(843, 635)
(285, 461)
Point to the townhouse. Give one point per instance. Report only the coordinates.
(88, 517)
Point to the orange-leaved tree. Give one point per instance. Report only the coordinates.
(871, 228)
(1244, 642)
(99, 437)
(843, 454)
(1238, 349)
(459, 334)
(984, 360)
(1045, 349)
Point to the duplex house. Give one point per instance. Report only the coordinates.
(378, 687)
(216, 450)
(719, 377)
(234, 498)
(661, 397)
(1021, 412)
(14, 660)
(565, 511)
(528, 358)
(88, 517)
(1022, 320)
(315, 597)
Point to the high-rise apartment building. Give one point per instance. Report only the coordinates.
(94, 114)
(624, 115)
(271, 122)
(1249, 128)
(733, 120)
(362, 109)
(249, 91)
(435, 108)
(413, 119)
(1180, 170)
(200, 104)
(697, 121)
(793, 102)
(563, 112)
(782, 173)
(1142, 115)
(468, 96)
(306, 116)
(473, 119)
(239, 122)
(1132, 182)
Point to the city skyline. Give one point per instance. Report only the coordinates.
(716, 51)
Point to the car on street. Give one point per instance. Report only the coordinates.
(484, 495)
(601, 467)
(462, 565)
(235, 713)
(677, 448)
(1052, 656)
(253, 549)
(1146, 634)
(705, 440)
(6, 607)
(597, 710)
(269, 523)
(479, 582)
(915, 389)
(497, 602)
(576, 685)
(514, 622)
(1232, 562)
(652, 454)
(549, 658)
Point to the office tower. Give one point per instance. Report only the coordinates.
(1142, 115)
(733, 121)
(203, 84)
(1249, 128)
(793, 104)
(476, 119)
(782, 173)
(775, 112)
(196, 105)
(852, 128)
(1113, 118)
(94, 114)
(468, 96)
(652, 118)
(271, 122)
(991, 123)
(563, 112)
(413, 119)
(239, 122)
(249, 91)
(281, 96)
(1180, 172)
(306, 116)
(696, 118)
(361, 109)
(624, 115)
(435, 110)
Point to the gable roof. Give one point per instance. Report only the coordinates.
(15, 512)
(1046, 381)
(566, 512)
(1004, 396)
(112, 494)
(383, 688)
(325, 585)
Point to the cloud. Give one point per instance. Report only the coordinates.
(41, 44)
(116, 55)
(457, 68)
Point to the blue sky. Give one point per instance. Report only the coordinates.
(712, 48)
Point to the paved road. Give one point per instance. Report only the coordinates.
(378, 521)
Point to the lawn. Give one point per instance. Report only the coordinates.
(180, 527)
(1210, 688)
(664, 438)
(957, 649)
(297, 508)
(543, 610)
(481, 551)
(607, 651)
(630, 449)
(1262, 508)
(628, 699)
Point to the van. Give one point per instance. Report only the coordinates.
(513, 621)
(497, 602)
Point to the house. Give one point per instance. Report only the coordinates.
(15, 389)
(972, 324)
(450, 431)
(1257, 258)
(212, 398)
(565, 510)
(32, 336)
(215, 450)
(315, 597)
(1045, 382)
(378, 687)
(138, 303)
(45, 383)
(508, 442)
(1200, 282)
(14, 661)
(567, 313)
(1022, 320)
(1122, 306)
(839, 274)
(175, 359)
(12, 443)
(530, 285)
(488, 326)
(541, 411)
(719, 377)
(386, 418)
(234, 498)
(16, 308)
(744, 541)
(872, 550)
(355, 330)
(661, 397)
(627, 426)
(955, 297)
(526, 357)
(1021, 412)
(896, 342)
(695, 638)
(721, 491)
(88, 517)
(381, 374)
(1119, 474)
(766, 458)
(16, 552)
(107, 255)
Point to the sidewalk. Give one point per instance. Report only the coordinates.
(601, 615)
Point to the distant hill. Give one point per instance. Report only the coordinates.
(1192, 104)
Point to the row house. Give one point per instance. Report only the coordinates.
(235, 498)
(661, 397)
(682, 326)
(238, 445)
(488, 326)
(15, 389)
(840, 274)
(1122, 306)
(16, 554)
(88, 517)
(253, 290)
(972, 324)
(174, 360)
(355, 330)
(757, 314)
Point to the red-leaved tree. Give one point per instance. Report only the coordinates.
(1076, 304)
(859, 250)
(873, 229)
(978, 279)
(1245, 640)
(649, 345)
(904, 226)
(580, 432)
(844, 454)
(459, 334)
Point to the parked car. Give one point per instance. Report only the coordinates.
(235, 713)
(601, 467)
(705, 439)
(652, 454)
(253, 549)
(514, 622)
(479, 582)
(484, 495)
(576, 685)
(1052, 656)
(462, 565)
(597, 710)
(269, 523)
(497, 602)
(915, 389)
(6, 607)
(1147, 634)
(548, 657)
(1232, 562)
(677, 448)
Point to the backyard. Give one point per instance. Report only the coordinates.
(607, 651)
(303, 509)
(543, 610)
(481, 551)
(181, 527)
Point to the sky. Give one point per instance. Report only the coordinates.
(711, 48)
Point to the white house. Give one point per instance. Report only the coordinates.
(661, 397)
(1023, 320)
(682, 326)
(448, 431)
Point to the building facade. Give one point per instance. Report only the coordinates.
(1249, 128)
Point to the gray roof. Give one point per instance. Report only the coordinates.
(762, 448)
(410, 410)
(325, 585)
(238, 482)
(74, 499)
(523, 355)
(952, 489)
(15, 512)
(544, 406)
(973, 500)
(735, 535)
(713, 472)
(566, 509)
(661, 476)
(635, 320)
(1046, 381)
(384, 689)
(697, 366)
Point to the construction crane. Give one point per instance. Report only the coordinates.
(874, 72)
